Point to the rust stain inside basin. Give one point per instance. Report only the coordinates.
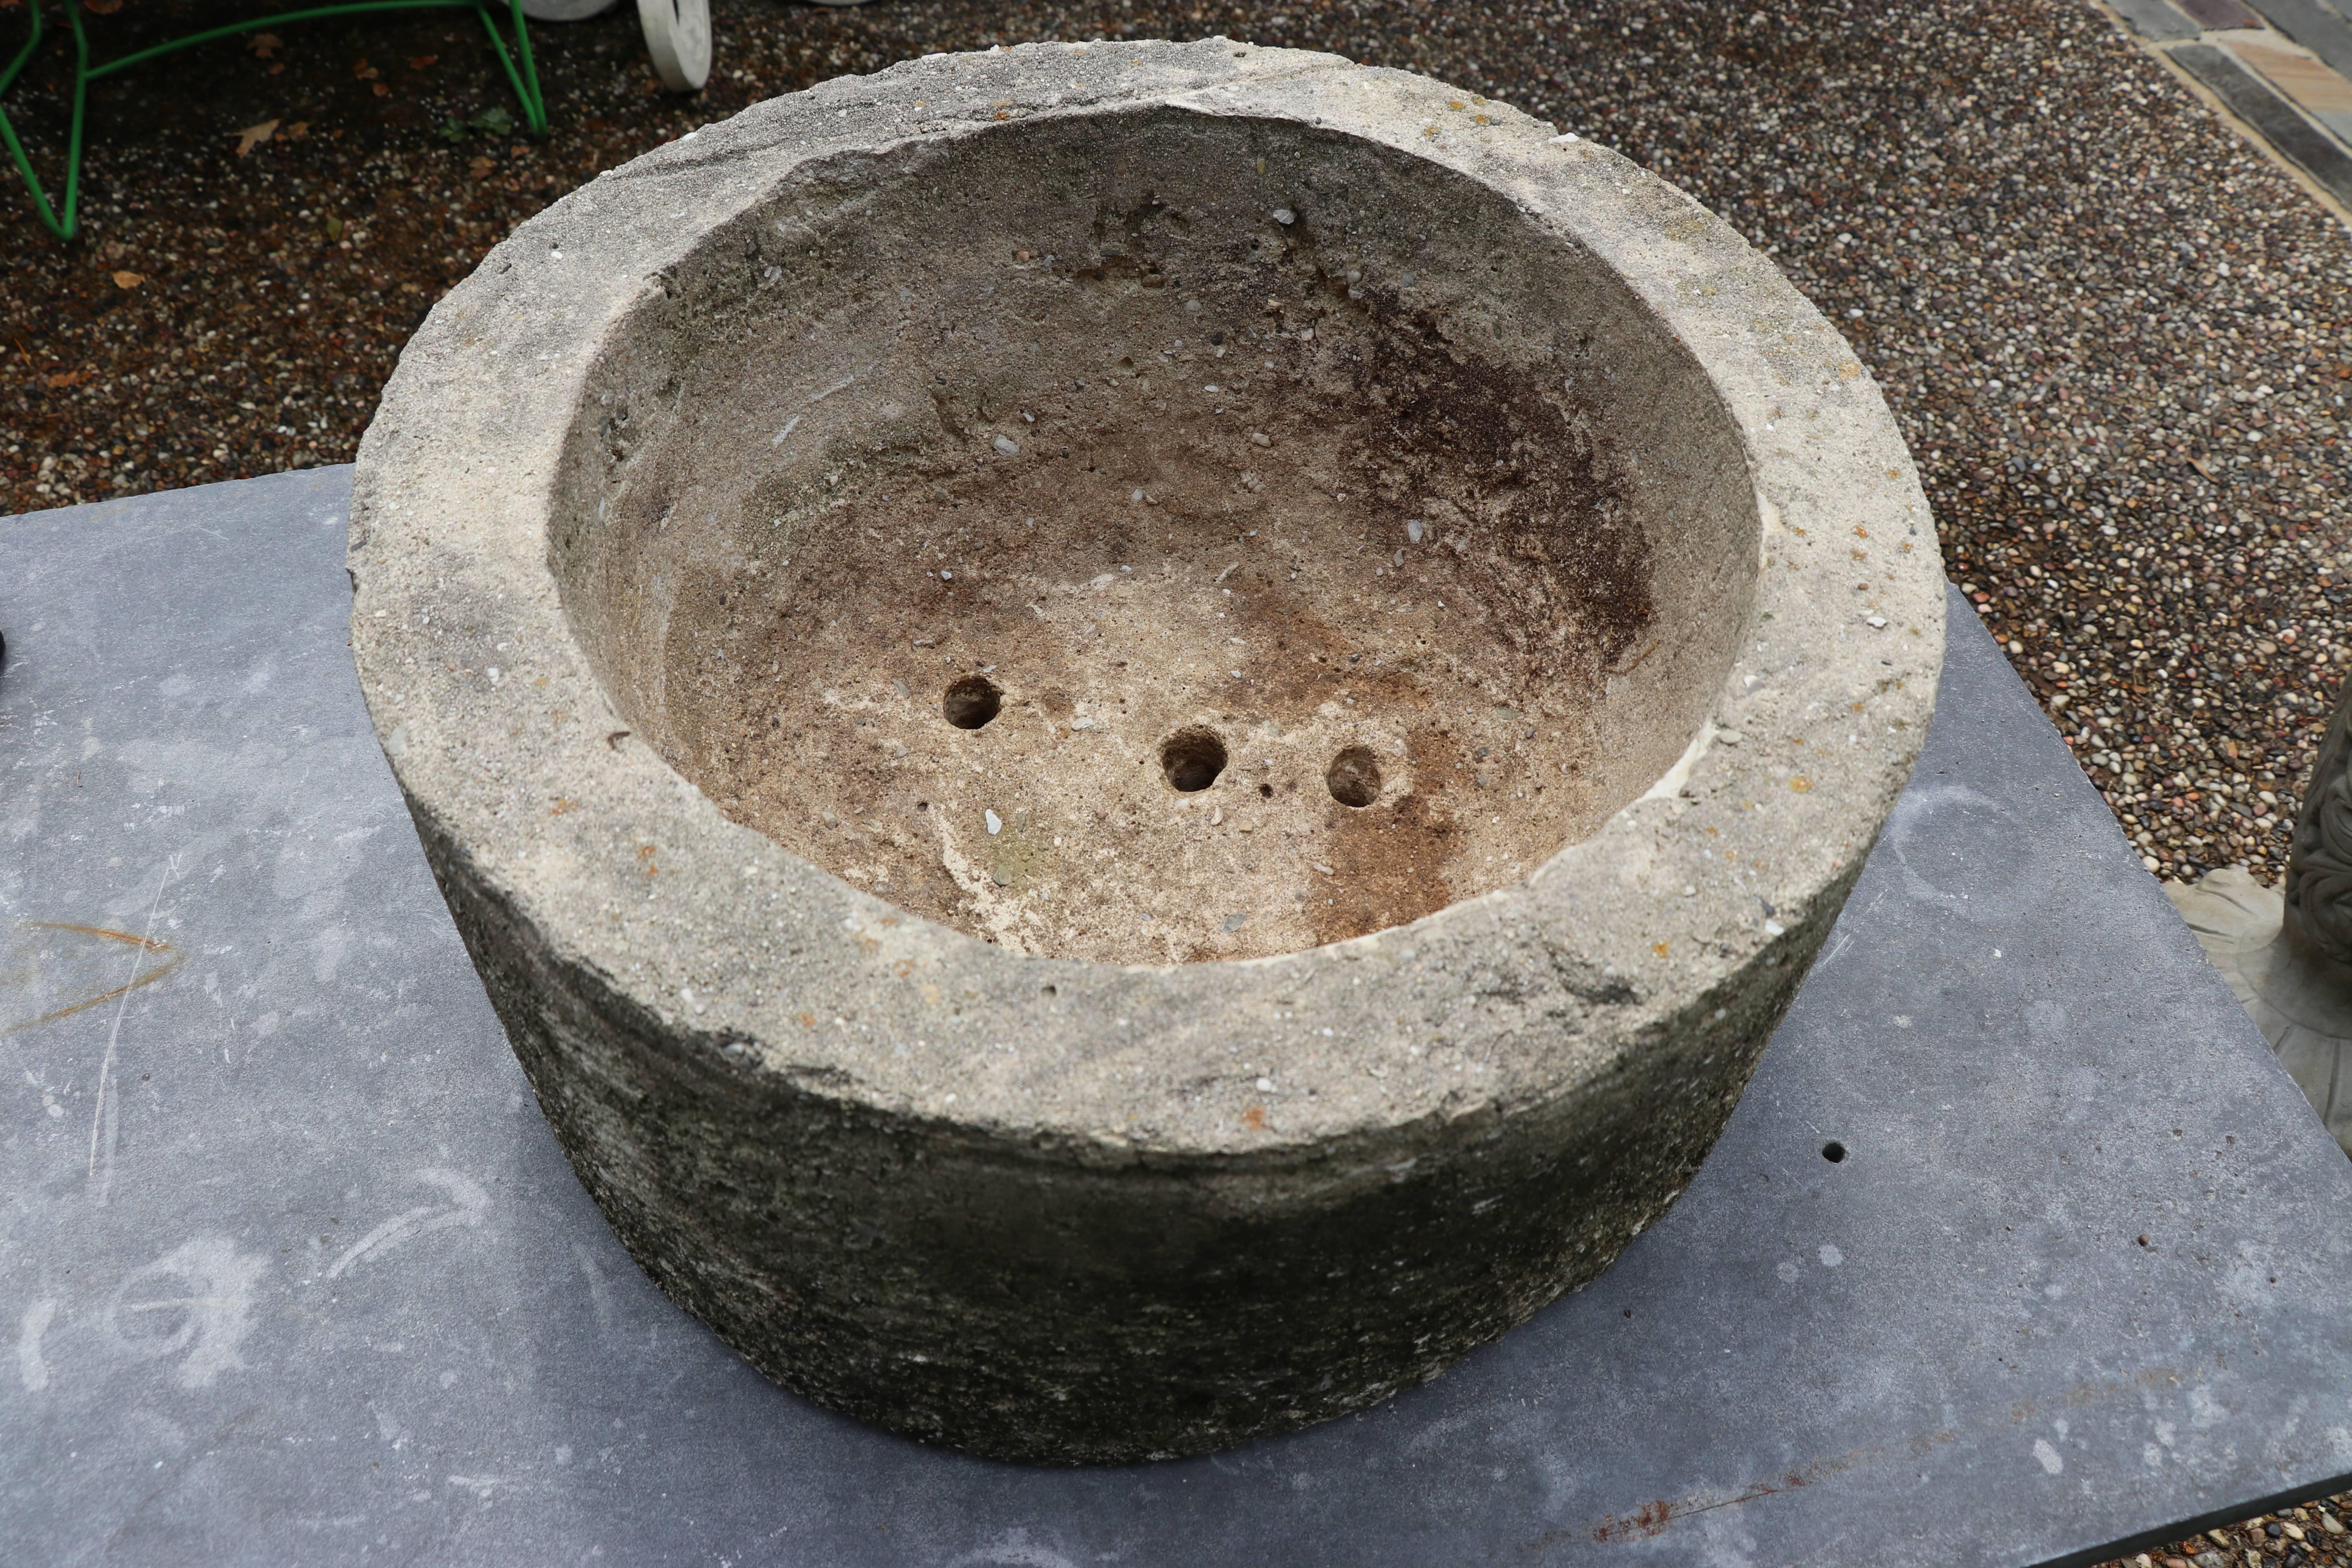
(1073, 440)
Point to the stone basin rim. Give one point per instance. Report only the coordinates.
(422, 515)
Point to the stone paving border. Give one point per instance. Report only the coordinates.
(2282, 70)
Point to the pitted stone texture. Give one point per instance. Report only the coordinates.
(1036, 1207)
(1232, 442)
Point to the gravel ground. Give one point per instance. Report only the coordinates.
(2309, 1537)
(2115, 336)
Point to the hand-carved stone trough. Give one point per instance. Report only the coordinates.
(1137, 738)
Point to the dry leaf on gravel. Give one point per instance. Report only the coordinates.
(253, 136)
(418, 62)
(128, 279)
(102, 7)
(264, 45)
(365, 71)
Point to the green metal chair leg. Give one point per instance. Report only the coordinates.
(62, 226)
(526, 82)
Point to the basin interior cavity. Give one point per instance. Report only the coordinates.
(1163, 539)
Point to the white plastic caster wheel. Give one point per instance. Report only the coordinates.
(565, 10)
(677, 36)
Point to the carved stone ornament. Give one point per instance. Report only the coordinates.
(2289, 958)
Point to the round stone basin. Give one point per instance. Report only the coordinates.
(1190, 576)
(1137, 738)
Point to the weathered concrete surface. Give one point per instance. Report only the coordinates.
(1036, 1207)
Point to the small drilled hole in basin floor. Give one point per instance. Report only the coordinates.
(1192, 759)
(1833, 1151)
(1354, 777)
(972, 702)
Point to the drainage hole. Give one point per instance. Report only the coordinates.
(1833, 1151)
(1265, 790)
(1354, 777)
(1192, 759)
(972, 702)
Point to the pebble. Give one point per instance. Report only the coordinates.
(1008, 445)
(2301, 1533)
(995, 823)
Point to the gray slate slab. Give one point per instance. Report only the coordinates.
(2155, 20)
(294, 1271)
